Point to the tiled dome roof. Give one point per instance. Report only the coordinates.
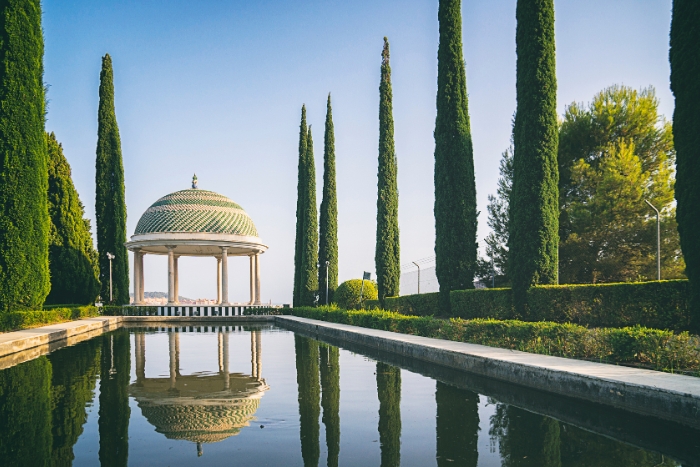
(196, 211)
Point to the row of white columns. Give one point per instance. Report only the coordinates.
(174, 283)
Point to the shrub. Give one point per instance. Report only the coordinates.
(347, 296)
(482, 303)
(418, 305)
(16, 320)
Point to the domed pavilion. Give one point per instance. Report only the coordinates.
(196, 222)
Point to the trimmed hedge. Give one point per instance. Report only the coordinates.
(636, 346)
(659, 305)
(16, 320)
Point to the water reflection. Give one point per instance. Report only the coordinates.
(457, 426)
(330, 400)
(202, 407)
(114, 413)
(307, 363)
(389, 393)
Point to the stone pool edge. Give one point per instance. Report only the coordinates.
(661, 395)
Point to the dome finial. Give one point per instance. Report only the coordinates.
(194, 182)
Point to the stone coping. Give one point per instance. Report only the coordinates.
(652, 393)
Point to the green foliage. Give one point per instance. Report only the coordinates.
(73, 260)
(330, 400)
(614, 154)
(24, 220)
(484, 303)
(527, 439)
(499, 221)
(16, 320)
(389, 393)
(352, 294)
(534, 207)
(637, 346)
(387, 256)
(114, 412)
(457, 426)
(685, 84)
(426, 304)
(110, 201)
(301, 200)
(455, 187)
(25, 411)
(328, 236)
(307, 362)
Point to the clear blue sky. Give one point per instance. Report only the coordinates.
(216, 87)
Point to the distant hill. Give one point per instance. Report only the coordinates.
(163, 295)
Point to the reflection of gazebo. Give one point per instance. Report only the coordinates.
(196, 222)
(202, 407)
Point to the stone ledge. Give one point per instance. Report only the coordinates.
(652, 393)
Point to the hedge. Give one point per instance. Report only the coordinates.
(16, 320)
(636, 346)
(659, 304)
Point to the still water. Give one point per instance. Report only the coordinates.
(264, 396)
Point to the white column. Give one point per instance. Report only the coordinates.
(171, 275)
(172, 353)
(258, 354)
(137, 278)
(140, 347)
(227, 380)
(257, 279)
(218, 279)
(252, 279)
(177, 281)
(253, 355)
(141, 278)
(224, 275)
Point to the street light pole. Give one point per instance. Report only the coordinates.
(418, 275)
(327, 263)
(658, 240)
(110, 256)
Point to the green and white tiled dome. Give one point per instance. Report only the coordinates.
(196, 211)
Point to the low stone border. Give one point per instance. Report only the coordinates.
(661, 395)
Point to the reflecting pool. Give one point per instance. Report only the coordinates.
(265, 396)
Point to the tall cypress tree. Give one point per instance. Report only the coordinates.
(110, 204)
(301, 196)
(455, 187)
(534, 207)
(72, 256)
(309, 247)
(328, 238)
(24, 219)
(685, 84)
(387, 256)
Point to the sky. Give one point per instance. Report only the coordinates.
(215, 88)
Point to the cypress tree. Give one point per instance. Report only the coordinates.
(72, 257)
(328, 237)
(685, 84)
(24, 219)
(110, 204)
(534, 207)
(301, 196)
(455, 187)
(386, 257)
(309, 247)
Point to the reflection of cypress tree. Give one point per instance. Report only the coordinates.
(309, 393)
(526, 439)
(457, 426)
(330, 400)
(25, 414)
(113, 423)
(389, 392)
(72, 386)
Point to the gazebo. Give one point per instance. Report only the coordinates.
(196, 222)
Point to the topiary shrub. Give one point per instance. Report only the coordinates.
(347, 295)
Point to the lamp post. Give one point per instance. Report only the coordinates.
(110, 256)
(327, 263)
(418, 266)
(658, 240)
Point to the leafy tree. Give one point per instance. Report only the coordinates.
(614, 154)
(387, 255)
(110, 203)
(308, 293)
(301, 197)
(685, 84)
(24, 219)
(72, 257)
(534, 215)
(455, 187)
(328, 236)
(330, 400)
(389, 392)
(307, 361)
